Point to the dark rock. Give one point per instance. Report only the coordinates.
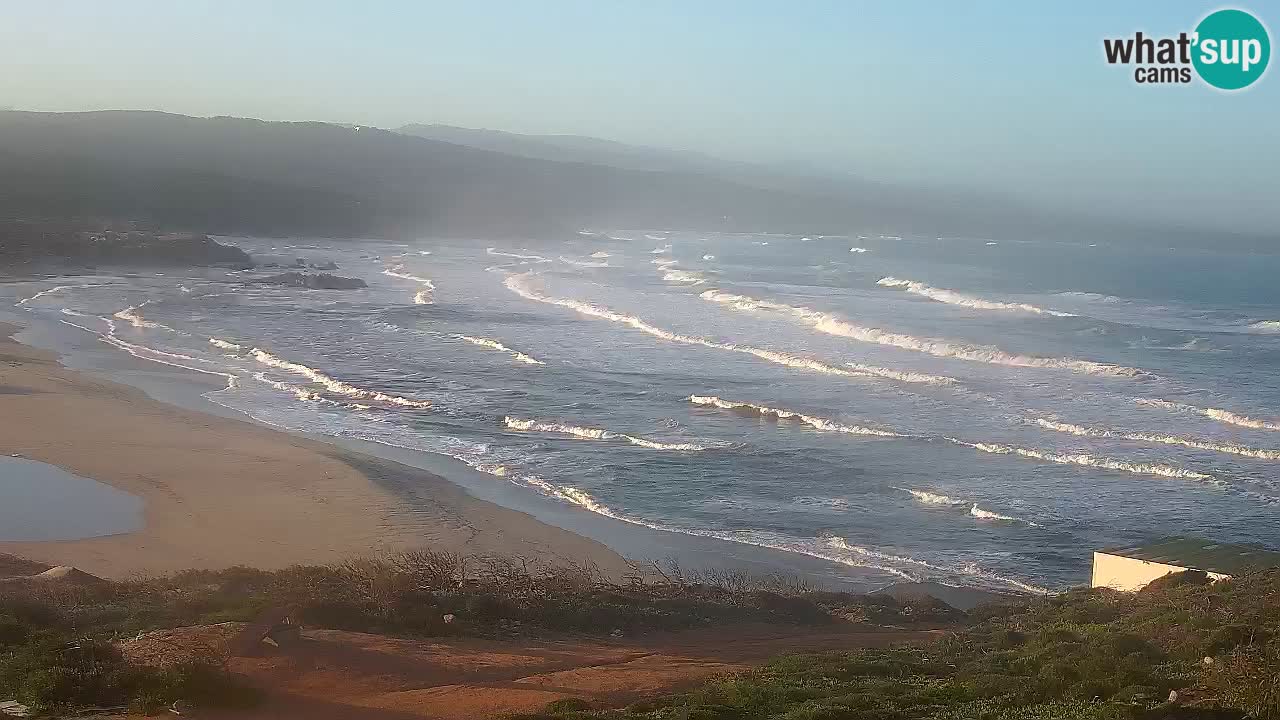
(71, 242)
(319, 281)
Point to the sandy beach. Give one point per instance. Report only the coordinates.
(219, 492)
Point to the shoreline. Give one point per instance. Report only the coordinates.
(187, 390)
(220, 491)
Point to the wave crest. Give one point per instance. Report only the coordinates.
(952, 297)
(590, 433)
(515, 283)
(1230, 448)
(810, 420)
(931, 498)
(1086, 460)
(495, 345)
(1222, 416)
(425, 296)
(832, 325)
(332, 384)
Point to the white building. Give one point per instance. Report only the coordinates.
(1131, 568)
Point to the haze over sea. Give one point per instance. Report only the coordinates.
(970, 411)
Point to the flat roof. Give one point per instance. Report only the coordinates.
(1201, 554)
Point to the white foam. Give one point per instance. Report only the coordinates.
(1266, 326)
(494, 344)
(810, 420)
(684, 276)
(56, 289)
(970, 569)
(832, 549)
(708, 258)
(1087, 461)
(858, 250)
(220, 343)
(833, 325)
(988, 515)
(907, 376)
(660, 250)
(298, 392)
(150, 354)
(1230, 448)
(931, 498)
(131, 315)
(600, 255)
(1222, 416)
(659, 238)
(518, 256)
(590, 433)
(516, 284)
(332, 384)
(952, 297)
(425, 296)
(583, 263)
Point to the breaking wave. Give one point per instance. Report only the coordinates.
(131, 316)
(832, 325)
(903, 375)
(600, 255)
(589, 433)
(1087, 461)
(1230, 448)
(660, 250)
(810, 420)
(332, 384)
(930, 498)
(951, 297)
(514, 284)
(423, 296)
(684, 276)
(142, 352)
(518, 256)
(988, 515)
(833, 549)
(858, 250)
(1266, 326)
(56, 289)
(1222, 416)
(219, 343)
(494, 344)
(583, 263)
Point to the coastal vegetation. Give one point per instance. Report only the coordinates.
(1182, 648)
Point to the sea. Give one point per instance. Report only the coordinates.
(974, 412)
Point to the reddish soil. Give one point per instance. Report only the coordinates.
(333, 674)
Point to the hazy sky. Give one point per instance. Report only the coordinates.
(1010, 96)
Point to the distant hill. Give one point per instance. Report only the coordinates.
(234, 175)
(572, 148)
(237, 175)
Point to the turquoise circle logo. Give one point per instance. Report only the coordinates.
(1232, 49)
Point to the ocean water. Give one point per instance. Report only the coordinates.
(973, 412)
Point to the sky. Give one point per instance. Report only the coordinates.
(1012, 98)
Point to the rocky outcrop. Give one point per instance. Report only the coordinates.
(319, 281)
(25, 241)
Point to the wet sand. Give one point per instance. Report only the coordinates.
(220, 492)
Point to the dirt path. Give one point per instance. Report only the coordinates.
(334, 674)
